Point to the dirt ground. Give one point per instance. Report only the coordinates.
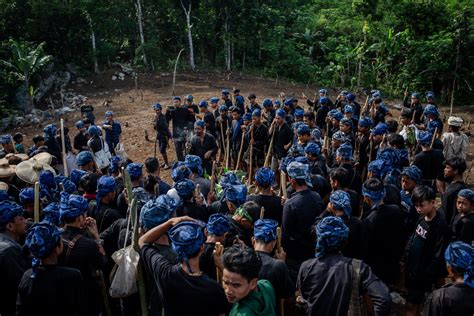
(134, 106)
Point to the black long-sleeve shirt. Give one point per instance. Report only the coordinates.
(182, 118)
(451, 299)
(80, 142)
(277, 273)
(283, 136)
(329, 279)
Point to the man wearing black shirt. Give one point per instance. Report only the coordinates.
(183, 288)
(299, 213)
(256, 135)
(430, 161)
(203, 145)
(453, 173)
(282, 140)
(181, 118)
(80, 140)
(162, 133)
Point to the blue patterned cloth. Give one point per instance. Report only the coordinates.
(468, 194)
(27, 195)
(52, 214)
(214, 100)
(391, 158)
(323, 100)
(76, 175)
(331, 232)
(267, 103)
(348, 109)
(265, 177)
(236, 194)
(223, 108)
(460, 256)
(280, 113)
(115, 164)
(50, 131)
(186, 240)
(375, 196)
(135, 170)
(218, 224)
(41, 240)
(380, 129)
(72, 206)
(339, 136)
(336, 114)
(265, 230)
(157, 211)
(200, 123)
(424, 138)
(412, 172)
(257, 113)
(345, 151)
(5, 139)
(93, 130)
(378, 168)
(431, 109)
(194, 163)
(342, 201)
(303, 129)
(313, 148)
(185, 188)
(157, 106)
(298, 113)
(365, 122)
(8, 211)
(346, 121)
(109, 113)
(83, 158)
(298, 170)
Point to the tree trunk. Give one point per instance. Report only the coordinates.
(29, 99)
(94, 51)
(140, 29)
(227, 44)
(190, 37)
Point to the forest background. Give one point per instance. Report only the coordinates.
(354, 45)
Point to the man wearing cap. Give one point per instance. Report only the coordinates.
(208, 118)
(268, 112)
(192, 107)
(316, 103)
(363, 143)
(223, 126)
(330, 276)
(194, 163)
(341, 100)
(334, 117)
(282, 140)
(239, 100)
(299, 212)
(256, 135)
(273, 268)
(47, 288)
(322, 112)
(85, 161)
(383, 233)
(80, 251)
(185, 280)
(237, 130)
(191, 204)
(162, 133)
(80, 140)
(218, 228)
(53, 147)
(354, 104)
(203, 145)
(409, 130)
(12, 262)
(181, 118)
(377, 136)
(113, 130)
(455, 142)
(454, 176)
(430, 161)
(455, 298)
(155, 212)
(415, 105)
(87, 111)
(225, 96)
(317, 162)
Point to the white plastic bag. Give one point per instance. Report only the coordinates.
(120, 152)
(124, 282)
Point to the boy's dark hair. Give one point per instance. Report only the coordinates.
(86, 121)
(150, 183)
(340, 175)
(151, 164)
(396, 140)
(309, 115)
(407, 113)
(374, 184)
(242, 260)
(458, 164)
(300, 182)
(392, 126)
(17, 137)
(422, 193)
(88, 183)
(253, 209)
(38, 138)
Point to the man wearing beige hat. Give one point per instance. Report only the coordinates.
(455, 142)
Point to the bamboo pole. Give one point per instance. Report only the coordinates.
(239, 157)
(267, 158)
(36, 209)
(262, 212)
(283, 185)
(227, 161)
(281, 301)
(434, 137)
(219, 249)
(63, 145)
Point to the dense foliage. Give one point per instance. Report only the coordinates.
(387, 44)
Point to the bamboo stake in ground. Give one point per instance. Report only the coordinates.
(267, 158)
(262, 213)
(239, 157)
(63, 144)
(36, 214)
(283, 185)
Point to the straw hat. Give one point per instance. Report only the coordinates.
(30, 170)
(43, 158)
(6, 170)
(23, 157)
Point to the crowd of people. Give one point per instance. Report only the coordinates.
(322, 208)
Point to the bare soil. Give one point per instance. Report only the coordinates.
(132, 103)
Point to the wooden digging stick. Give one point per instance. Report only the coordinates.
(283, 185)
(364, 109)
(213, 176)
(267, 158)
(63, 144)
(262, 213)
(222, 142)
(36, 209)
(239, 157)
(227, 159)
(434, 137)
(218, 271)
(249, 178)
(280, 301)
